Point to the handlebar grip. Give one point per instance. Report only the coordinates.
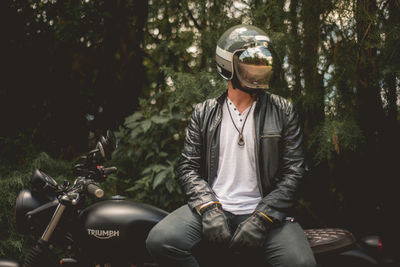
(110, 170)
(94, 190)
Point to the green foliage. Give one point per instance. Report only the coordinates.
(15, 150)
(151, 140)
(339, 64)
(336, 136)
(12, 244)
(72, 53)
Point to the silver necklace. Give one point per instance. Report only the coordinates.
(241, 139)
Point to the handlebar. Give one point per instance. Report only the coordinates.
(88, 181)
(92, 188)
(95, 190)
(110, 170)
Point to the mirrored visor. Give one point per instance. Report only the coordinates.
(253, 67)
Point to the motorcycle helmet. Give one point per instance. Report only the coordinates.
(246, 51)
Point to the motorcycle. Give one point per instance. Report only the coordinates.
(113, 232)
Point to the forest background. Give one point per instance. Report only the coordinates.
(72, 69)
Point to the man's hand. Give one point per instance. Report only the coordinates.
(215, 224)
(252, 232)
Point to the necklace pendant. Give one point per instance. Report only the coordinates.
(241, 141)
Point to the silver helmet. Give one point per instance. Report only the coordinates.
(246, 51)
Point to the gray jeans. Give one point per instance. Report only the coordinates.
(172, 241)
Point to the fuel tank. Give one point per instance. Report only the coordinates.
(116, 230)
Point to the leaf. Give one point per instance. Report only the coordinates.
(146, 125)
(146, 171)
(135, 132)
(160, 119)
(163, 154)
(170, 185)
(149, 155)
(160, 177)
(178, 116)
(164, 111)
(158, 167)
(133, 118)
(133, 188)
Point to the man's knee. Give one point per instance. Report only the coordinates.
(299, 259)
(155, 241)
(306, 261)
(288, 246)
(161, 242)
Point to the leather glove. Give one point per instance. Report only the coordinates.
(215, 224)
(252, 232)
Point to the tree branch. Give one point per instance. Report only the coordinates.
(196, 24)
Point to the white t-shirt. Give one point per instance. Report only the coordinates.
(236, 183)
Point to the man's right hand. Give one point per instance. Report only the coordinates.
(215, 224)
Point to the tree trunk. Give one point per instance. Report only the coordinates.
(313, 102)
(294, 51)
(392, 56)
(124, 35)
(368, 91)
(371, 117)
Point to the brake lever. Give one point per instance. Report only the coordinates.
(102, 173)
(74, 197)
(72, 194)
(71, 197)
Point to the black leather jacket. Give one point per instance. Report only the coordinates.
(278, 152)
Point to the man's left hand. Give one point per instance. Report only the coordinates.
(252, 232)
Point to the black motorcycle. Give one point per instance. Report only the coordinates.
(113, 232)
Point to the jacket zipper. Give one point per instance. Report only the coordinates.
(257, 123)
(270, 135)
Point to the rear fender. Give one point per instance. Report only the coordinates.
(353, 258)
(359, 256)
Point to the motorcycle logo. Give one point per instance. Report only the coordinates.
(103, 234)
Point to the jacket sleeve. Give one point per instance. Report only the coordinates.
(195, 187)
(292, 167)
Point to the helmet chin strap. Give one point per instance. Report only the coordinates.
(236, 85)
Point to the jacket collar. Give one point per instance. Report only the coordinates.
(222, 97)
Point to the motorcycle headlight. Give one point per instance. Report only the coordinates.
(25, 202)
(32, 213)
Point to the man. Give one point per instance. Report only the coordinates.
(241, 166)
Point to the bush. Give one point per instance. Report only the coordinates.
(151, 140)
(13, 245)
(336, 136)
(149, 146)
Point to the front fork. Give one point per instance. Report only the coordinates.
(53, 222)
(38, 252)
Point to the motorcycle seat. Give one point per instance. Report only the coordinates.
(8, 263)
(329, 240)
